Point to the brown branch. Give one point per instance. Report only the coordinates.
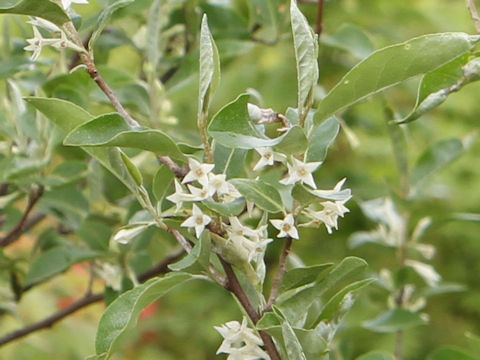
(3, 189)
(233, 285)
(51, 320)
(472, 8)
(89, 299)
(173, 166)
(21, 226)
(319, 27)
(282, 269)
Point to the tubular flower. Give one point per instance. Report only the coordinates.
(37, 43)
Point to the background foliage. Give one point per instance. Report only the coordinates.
(264, 61)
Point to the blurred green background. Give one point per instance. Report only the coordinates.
(180, 326)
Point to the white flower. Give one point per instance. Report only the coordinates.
(232, 194)
(268, 156)
(218, 184)
(67, 3)
(64, 43)
(198, 172)
(240, 342)
(178, 197)
(255, 249)
(198, 220)
(302, 172)
(427, 272)
(37, 43)
(337, 194)
(237, 229)
(44, 24)
(200, 194)
(286, 227)
(328, 216)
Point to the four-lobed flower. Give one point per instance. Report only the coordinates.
(198, 172)
(198, 220)
(301, 171)
(286, 227)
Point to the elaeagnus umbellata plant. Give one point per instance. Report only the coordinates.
(152, 206)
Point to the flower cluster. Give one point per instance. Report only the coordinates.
(213, 187)
(240, 342)
(38, 42)
(331, 209)
(253, 241)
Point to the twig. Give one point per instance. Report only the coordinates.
(282, 269)
(234, 286)
(474, 14)
(89, 299)
(319, 27)
(173, 166)
(21, 226)
(3, 189)
(95, 75)
(51, 320)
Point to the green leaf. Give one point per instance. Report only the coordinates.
(45, 9)
(432, 89)
(66, 173)
(68, 116)
(302, 276)
(292, 142)
(233, 128)
(436, 158)
(199, 258)
(294, 307)
(103, 19)
(266, 13)
(349, 38)
(333, 306)
(264, 196)
(306, 53)
(376, 355)
(292, 345)
(474, 342)
(95, 234)
(395, 320)
(393, 64)
(450, 353)
(112, 130)
(321, 138)
(161, 182)
(209, 68)
(55, 261)
(123, 313)
(232, 208)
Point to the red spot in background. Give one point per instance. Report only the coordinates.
(65, 302)
(149, 311)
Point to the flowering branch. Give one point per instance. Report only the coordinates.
(234, 286)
